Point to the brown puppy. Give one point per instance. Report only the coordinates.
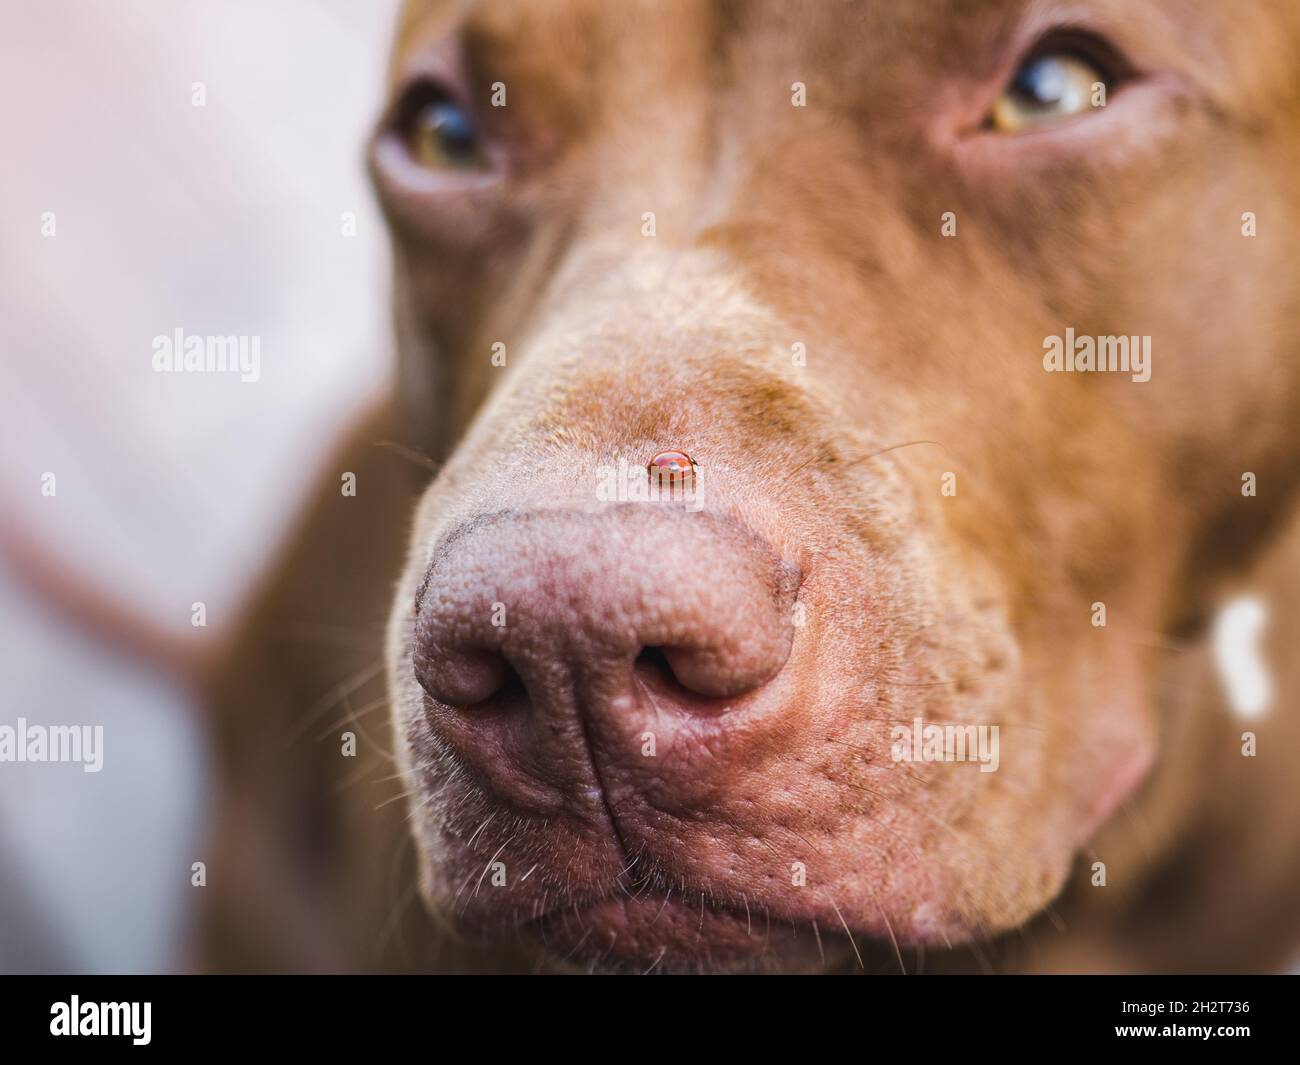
(821, 249)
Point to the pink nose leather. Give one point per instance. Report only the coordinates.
(551, 615)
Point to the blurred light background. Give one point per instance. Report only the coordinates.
(171, 489)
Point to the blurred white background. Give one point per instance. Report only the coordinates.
(172, 489)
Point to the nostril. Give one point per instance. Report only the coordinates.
(703, 672)
(654, 674)
(686, 676)
(463, 677)
(652, 664)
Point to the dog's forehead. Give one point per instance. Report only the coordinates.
(820, 28)
(845, 43)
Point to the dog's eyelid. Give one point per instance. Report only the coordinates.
(1064, 73)
(1092, 47)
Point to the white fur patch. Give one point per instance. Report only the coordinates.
(1239, 658)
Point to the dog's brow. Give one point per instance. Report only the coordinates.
(416, 19)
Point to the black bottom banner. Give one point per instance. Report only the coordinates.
(206, 1014)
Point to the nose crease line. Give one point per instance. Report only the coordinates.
(584, 726)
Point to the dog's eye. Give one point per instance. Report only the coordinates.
(1046, 89)
(439, 134)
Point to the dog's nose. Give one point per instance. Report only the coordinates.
(533, 622)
